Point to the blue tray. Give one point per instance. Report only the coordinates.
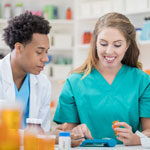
(107, 142)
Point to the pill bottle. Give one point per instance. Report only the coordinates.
(64, 141)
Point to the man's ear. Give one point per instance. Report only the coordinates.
(19, 47)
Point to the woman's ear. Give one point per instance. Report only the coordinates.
(19, 47)
(128, 44)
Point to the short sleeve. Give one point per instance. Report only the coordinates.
(66, 109)
(145, 101)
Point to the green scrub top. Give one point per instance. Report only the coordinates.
(96, 103)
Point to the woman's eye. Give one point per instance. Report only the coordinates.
(103, 44)
(117, 45)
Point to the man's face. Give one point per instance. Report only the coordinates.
(34, 54)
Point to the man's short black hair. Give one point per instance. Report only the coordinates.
(21, 28)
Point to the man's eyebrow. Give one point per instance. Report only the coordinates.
(43, 48)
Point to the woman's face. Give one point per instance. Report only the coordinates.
(111, 47)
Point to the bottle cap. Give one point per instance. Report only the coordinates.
(34, 121)
(7, 5)
(64, 134)
(19, 5)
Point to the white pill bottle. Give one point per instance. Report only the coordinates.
(64, 141)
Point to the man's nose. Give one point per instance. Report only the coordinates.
(45, 58)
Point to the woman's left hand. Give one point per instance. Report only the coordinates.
(126, 135)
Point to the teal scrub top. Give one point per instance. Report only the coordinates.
(96, 103)
(23, 96)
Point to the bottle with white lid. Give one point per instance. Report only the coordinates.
(64, 141)
(7, 11)
(31, 133)
(34, 123)
(18, 9)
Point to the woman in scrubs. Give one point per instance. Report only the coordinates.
(109, 86)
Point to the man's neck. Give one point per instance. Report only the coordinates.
(18, 74)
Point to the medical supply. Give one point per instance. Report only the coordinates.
(9, 125)
(138, 34)
(69, 14)
(0, 11)
(145, 34)
(147, 71)
(7, 11)
(31, 132)
(18, 9)
(64, 141)
(46, 142)
(50, 12)
(86, 37)
(11, 116)
(115, 126)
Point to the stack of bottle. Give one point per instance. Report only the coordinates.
(9, 125)
(35, 138)
(31, 138)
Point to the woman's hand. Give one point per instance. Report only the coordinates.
(76, 137)
(126, 135)
(83, 131)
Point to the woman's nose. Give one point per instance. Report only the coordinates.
(109, 49)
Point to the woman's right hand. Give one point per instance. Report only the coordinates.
(83, 131)
(78, 132)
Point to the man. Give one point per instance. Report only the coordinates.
(20, 77)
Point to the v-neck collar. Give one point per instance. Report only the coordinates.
(117, 77)
(25, 82)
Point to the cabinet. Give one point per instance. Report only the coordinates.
(85, 14)
(96, 8)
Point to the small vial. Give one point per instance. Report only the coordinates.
(64, 141)
(115, 126)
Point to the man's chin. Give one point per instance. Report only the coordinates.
(36, 73)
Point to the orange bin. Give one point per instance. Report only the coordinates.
(147, 71)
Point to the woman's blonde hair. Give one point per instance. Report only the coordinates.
(123, 24)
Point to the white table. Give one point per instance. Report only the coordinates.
(118, 147)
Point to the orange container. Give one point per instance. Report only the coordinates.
(10, 141)
(30, 142)
(115, 126)
(69, 14)
(46, 142)
(147, 71)
(11, 118)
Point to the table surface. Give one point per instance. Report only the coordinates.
(117, 147)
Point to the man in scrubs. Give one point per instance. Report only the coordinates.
(20, 77)
(109, 86)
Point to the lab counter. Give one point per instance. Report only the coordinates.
(117, 147)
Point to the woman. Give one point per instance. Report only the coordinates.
(109, 86)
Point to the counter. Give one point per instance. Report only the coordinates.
(118, 147)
